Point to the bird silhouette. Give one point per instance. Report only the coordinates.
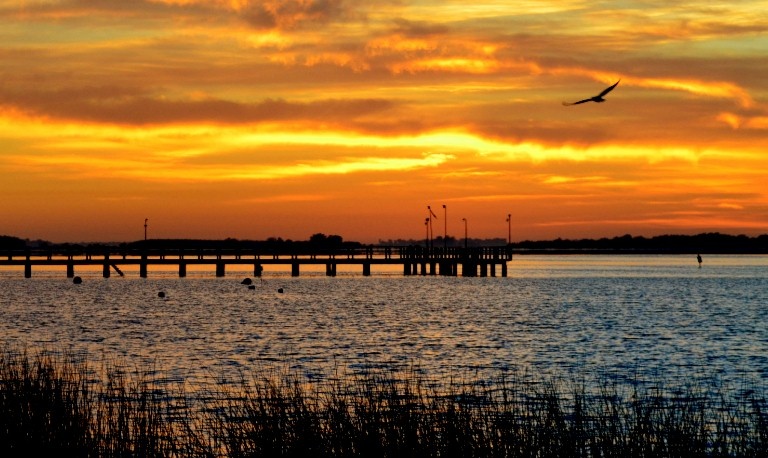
(598, 98)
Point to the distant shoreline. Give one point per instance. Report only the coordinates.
(705, 243)
(566, 252)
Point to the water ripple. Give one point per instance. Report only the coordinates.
(619, 314)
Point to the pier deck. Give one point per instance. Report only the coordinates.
(415, 260)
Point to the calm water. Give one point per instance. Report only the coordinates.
(629, 315)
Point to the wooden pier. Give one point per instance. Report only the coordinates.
(415, 260)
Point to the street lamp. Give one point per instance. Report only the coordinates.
(509, 224)
(445, 227)
(465, 232)
(429, 219)
(145, 228)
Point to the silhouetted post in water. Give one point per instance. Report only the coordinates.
(330, 269)
(105, 269)
(698, 258)
(143, 266)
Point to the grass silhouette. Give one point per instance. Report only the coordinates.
(53, 404)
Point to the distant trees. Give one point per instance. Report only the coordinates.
(315, 241)
(12, 243)
(323, 240)
(711, 242)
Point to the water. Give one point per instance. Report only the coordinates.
(630, 316)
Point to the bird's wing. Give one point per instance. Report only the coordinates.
(607, 90)
(576, 103)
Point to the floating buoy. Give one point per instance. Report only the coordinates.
(161, 294)
(246, 281)
(280, 290)
(77, 280)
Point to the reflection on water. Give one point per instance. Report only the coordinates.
(630, 315)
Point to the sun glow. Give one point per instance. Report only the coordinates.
(302, 113)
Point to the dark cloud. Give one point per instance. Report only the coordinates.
(419, 28)
(260, 14)
(102, 9)
(112, 105)
(289, 14)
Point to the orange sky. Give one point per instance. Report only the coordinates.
(284, 118)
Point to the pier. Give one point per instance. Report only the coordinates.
(414, 260)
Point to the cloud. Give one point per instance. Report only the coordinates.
(291, 14)
(169, 169)
(410, 28)
(114, 105)
(754, 120)
(103, 10)
(730, 206)
(259, 14)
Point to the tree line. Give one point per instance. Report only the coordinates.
(711, 242)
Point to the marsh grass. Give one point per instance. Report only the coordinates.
(58, 405)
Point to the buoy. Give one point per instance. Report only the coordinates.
(246, 281)
(161, 294)
(77, 280)
(280, 290)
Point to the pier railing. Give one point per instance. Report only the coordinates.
(414, 259)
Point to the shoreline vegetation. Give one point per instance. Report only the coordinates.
(53, 403)
(706, 243)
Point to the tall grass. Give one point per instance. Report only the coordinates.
(58, 405)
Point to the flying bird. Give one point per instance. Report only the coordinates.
(598, 98)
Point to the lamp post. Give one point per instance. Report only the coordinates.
(429, 219)
(509, 229)
(445, 227)
(465, 232)
(145, 228)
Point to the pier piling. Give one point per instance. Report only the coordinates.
(330, 270)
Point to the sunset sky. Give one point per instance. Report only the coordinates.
(285, 118)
